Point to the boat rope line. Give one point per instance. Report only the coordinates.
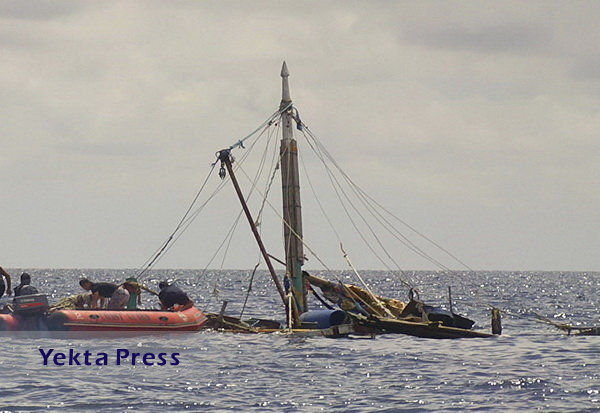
(214, 256)
(364, 197)
(345, 255)
(266, 191)
(368, 202)
(416, 249)
(159, 252)
(316, 197)
(229, 236)
(274, 167)
(188, 217)
(286, 223)
(365, 194)
(373, 296)
(299, 238)
(337, 187)
(561, 326)
(322, 150)
(293, 232)
(249, 289)
(256, 179)
(403, 239)
(268, 122)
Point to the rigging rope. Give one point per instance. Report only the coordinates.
(240, 143)
(188, 218)
(367, 201)
(227, 236)
(409, 244)
(249, 289)
(230, 233)
(285, 222)
(337, 189)
(365, 194)
(373, 296)
(365, 198)
(166, 243)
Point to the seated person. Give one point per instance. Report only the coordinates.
(120, 297)
(100, 291)
(25, 288)
(171, 295)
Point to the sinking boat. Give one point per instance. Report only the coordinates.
(362, 312)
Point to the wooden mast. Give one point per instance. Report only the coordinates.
(292, 210)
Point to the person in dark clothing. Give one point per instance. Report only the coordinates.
(100, 291)
(171, 295)
(25, 288)
(4, 274)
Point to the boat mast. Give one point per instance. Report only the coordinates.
(292, 211)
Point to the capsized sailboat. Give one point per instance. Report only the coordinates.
(358, 310)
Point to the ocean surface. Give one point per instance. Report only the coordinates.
(532, 366)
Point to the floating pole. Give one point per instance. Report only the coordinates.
(221, 314)
(225, 158)
(496, 321)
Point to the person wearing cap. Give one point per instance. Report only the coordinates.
(135, 298)
(3, 275)
(100, 291)
(171, 296)
(25, 288)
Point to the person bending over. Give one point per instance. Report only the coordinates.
(171, 296)
(100, 291)
(120, 297)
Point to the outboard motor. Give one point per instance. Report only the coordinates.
(28, 305)
(30, 309)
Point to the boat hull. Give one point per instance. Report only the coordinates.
(9, 322)
(191, 319)
(418, 329)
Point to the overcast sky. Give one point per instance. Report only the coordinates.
(476, 122)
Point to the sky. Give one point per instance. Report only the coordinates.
(475, 122)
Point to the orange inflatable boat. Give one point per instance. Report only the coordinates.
(191, 319)
(9, 322)
(30, 313)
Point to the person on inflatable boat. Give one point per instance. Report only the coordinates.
(173, 298)
(25, 288)
(120, 298)
(3, 286)
(100, 291)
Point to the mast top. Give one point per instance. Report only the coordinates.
(285, 87)
(284, 70)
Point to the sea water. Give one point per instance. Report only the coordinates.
(532, 366)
